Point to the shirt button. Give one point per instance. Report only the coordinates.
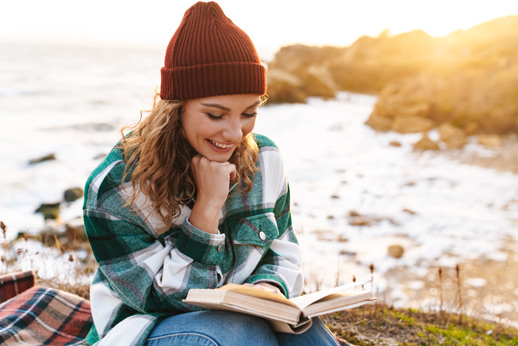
(220, 246)
(262, 235)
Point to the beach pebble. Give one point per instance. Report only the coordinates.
(73, 193)
(360, 221)
(395, 251)
(48, 157)
(49, 210)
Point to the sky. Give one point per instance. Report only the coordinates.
(270, 23)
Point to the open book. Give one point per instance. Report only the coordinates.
(284, 315)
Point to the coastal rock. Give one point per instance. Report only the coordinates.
(354, 213)
(317, 82)
(412, 124)
(395, 251)
(50, 211)
(490, 141)
(454, 137)
(284, 87)
(379, 123)
(471, 128)
(298, 72)
(48, 157)
(360, 221)
(425, 143)
(73, 194)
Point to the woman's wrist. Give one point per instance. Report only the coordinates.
(205, 216)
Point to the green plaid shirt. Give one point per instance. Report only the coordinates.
(144, 274)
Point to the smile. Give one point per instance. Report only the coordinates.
(219, 145)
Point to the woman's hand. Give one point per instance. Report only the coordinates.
(212, 181)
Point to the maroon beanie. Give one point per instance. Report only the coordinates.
(209, 55)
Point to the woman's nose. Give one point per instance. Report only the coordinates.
(234, 131)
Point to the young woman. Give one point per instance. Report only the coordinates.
(190, 198)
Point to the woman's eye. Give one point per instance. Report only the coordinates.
(250, 115)
(214, 117)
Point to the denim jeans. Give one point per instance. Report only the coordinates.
(225, 328)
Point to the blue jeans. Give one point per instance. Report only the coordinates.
(225, 328)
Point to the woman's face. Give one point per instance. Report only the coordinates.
(215, 125)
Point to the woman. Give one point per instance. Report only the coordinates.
(190, 198)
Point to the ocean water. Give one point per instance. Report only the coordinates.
(72, 101)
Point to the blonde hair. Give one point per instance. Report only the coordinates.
(158, 158)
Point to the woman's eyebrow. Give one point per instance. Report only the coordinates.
(216, 105)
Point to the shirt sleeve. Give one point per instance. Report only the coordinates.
(149, 274)
(280, 265)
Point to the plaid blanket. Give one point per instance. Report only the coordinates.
(13, 284)
(44, 316)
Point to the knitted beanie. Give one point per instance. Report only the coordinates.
(209, 55)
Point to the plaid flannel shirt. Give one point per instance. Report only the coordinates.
(143, 274)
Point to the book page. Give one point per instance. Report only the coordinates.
(303, 301)
(258, 293)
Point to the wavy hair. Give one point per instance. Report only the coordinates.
(158, 159)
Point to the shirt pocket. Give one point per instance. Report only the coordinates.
(258, 230)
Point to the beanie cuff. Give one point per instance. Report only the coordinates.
(191, 82)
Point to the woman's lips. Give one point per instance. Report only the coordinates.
(220, 147)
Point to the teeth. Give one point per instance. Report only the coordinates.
(222, 146)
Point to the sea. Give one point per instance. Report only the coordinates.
(355, 192)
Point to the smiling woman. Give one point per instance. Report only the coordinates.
(191, 198)
(214, 126)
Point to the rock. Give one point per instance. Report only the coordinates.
(284, 87)
(420, 110)
(426, 143)
(354, 213)
(347, 253)
(471, 128)
(454, 137)
(317, 82)
(360, 221)
(50, 211)
(456, 142)
(447, 131)
(395, 251)
(490, 141)
(49, 157)
(379, 123)
(412, 124)
(73, 193)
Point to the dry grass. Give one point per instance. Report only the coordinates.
(69, 266)
(380, 324)
(58, 263)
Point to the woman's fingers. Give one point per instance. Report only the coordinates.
(212, 178)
